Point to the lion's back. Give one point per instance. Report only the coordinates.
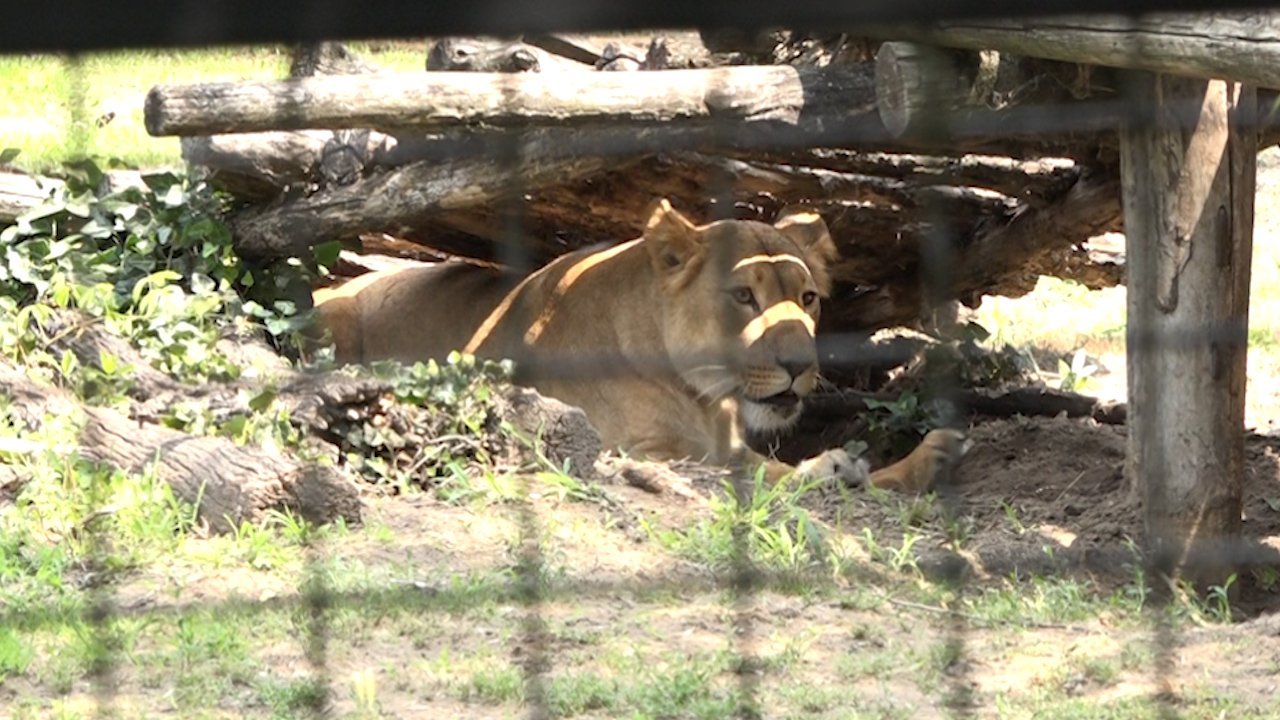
(411, 314)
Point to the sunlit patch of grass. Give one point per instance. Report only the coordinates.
(55, 108)
(1041, 600)
(1060, 316)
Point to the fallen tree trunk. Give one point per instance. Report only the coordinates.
(1025, 180)
(400, 201)
(1004, 259)
(257, 166)
(20, 193)
(1034, 401)
(922, 91)
(228, 484)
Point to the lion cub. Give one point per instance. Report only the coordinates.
(673, 344)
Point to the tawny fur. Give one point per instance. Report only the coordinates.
(931, 461)
(669, 343)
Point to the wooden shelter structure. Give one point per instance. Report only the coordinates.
(977, 156)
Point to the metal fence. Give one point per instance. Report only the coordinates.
(81, 26)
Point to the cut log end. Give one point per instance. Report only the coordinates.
(915, 85)
(154, 116)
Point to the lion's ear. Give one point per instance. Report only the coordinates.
(671, 238)
(807, 229)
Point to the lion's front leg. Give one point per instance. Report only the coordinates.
(932, 460)
(835, 464)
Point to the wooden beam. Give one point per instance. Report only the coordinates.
(1189, 187)
(1241, 46)
(768, 94)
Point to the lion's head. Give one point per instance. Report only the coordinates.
(740, 301)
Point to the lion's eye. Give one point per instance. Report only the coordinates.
(744, 296)
(809, 298)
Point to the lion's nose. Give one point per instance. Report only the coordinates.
(795, 367)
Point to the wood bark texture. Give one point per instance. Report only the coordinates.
(227, 483)
(1188, 196)
(443, 100)
(1242, 46)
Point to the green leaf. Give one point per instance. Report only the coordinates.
(326, 254)
(975, 332)
(173, 196)
(85, 173)
(202, 284)
(8, 154)
(108, 362)
(98, 229)
(81, 205)
(19, 265)
(856, 448)
(253, 309)
(262, 401)
(278, 326)
(234, 427)
(154, 281)
(159, 183)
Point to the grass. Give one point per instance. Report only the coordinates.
(54, 108)
(1096, 320)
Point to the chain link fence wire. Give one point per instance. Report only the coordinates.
(199, 23)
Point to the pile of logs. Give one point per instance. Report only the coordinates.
(517, 151)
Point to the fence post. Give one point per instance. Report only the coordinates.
(1188, 168)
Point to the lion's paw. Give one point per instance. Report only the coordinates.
(835, 464)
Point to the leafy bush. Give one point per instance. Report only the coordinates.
(155, 263)
(447, 419)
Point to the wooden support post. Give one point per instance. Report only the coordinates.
(1188, 162)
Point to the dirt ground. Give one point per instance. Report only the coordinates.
(1039, 497)
(1015, 608)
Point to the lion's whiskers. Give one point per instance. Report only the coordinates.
(722, 383)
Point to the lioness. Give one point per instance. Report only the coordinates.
(672, 344)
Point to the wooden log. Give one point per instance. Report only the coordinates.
(1029, 181)
(400, 200)
(479, 54)
(227, 483)
(325, 58)
(437, 101)
(257, 166)
(1189, 187)
(1242, 46)
(1030, 401)
(568, 47)
(917, 85)
(925, 91)
(772, 107)
(710, 187)
(20, 192)
(1003, 258)
(794, 184)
